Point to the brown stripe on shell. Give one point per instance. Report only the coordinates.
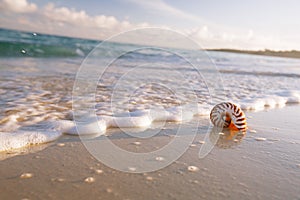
(219, 111)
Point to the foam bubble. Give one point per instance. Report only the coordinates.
(193, 168)
(136, 143)
(58, 179)
(132, 169)
(98, 171)
(60, 144)
(88, 128)
(159, 158)
(131, 122)
(178, 114)
(149, 178)
(109, 190)
(260, 139)
(21, 139)
(89, 180)
(252, 131)
(278, 99)
(26, 175)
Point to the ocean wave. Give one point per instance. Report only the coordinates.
(23, 137)
(260, 73)
(26, 44)
(17, 49)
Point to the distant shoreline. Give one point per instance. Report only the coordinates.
(266, 52)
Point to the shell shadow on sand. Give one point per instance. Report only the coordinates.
(226, 138)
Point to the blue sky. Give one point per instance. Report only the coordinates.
(255, 24)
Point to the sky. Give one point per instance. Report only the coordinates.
(247, 24)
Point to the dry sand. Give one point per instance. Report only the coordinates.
(264, 164)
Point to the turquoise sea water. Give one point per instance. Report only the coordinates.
(25, 44)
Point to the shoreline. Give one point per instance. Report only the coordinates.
(281, 54)
(265, 163)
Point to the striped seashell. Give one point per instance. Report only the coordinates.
(228, 115)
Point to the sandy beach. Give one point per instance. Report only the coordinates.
(127, 100)
(264, 164)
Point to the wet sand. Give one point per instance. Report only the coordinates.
(263, 164)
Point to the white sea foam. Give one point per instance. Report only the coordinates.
(137, 119)
(130, 122)
(88, 128)
(64, 126)
(19, 139)
(280, 99)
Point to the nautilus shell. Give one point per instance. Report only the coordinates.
(228, 115)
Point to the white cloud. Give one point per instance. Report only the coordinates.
(164, 9)
(209, 34)
(18, 6)
(218, 37)
(82, 19)
(66, 21)
(200, 33)
(64, 14)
